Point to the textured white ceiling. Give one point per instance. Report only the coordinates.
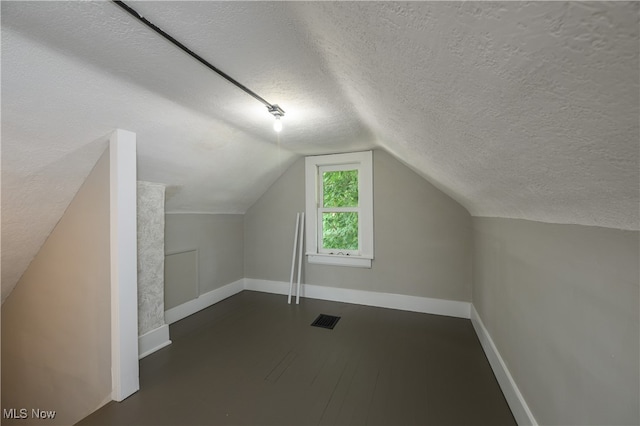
(520, 110)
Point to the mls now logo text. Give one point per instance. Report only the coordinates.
(23, 413)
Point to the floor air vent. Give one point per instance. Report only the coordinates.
(325, 321)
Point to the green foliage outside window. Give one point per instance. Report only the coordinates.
(340, 189)
(340, 229)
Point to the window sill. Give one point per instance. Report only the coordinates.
(339, 260)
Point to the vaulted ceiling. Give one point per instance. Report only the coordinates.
(517, 110)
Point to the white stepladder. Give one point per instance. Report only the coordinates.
(298, 236)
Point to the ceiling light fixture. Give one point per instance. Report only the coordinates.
(274, 109)
(278, 113)
(277, 125)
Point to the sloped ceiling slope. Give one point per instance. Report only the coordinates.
(521, 110)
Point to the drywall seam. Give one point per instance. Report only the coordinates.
(516, 401)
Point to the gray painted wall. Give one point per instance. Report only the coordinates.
(56, 329)
(422, 237)
(561, 304)
(181, 278)
(219, 241)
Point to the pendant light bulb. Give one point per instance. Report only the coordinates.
(278, 113)
(277, 125)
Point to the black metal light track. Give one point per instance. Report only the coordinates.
(273, 108)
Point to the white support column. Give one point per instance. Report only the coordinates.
(124, 278)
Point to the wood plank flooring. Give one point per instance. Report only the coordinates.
(254, 360)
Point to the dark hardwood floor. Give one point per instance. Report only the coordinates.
(254, 360)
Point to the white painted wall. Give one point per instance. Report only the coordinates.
(560, 302)
(56, 341)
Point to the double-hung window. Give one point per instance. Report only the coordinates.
(339, 209)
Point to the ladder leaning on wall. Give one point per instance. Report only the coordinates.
(298, 239)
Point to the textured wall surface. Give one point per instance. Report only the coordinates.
(422, 237)
(514, 109)
(56, 325)
(561, 304)
(150, 256)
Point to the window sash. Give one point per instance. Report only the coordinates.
(346, 252)
(315, 166)
(335, 168)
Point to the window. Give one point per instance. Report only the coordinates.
(339, 209)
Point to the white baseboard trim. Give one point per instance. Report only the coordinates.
(451, 308)
(266, 286)
(203, 301)
(518, 405)
(403, 302)
(153, 340)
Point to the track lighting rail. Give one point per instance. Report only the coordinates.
(135, 14)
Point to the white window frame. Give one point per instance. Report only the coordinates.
(314, 166)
